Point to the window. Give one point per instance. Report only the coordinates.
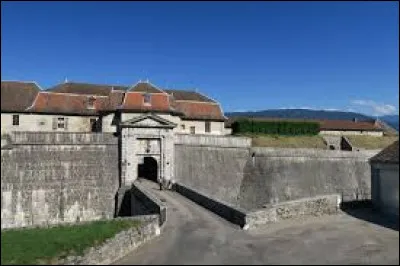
(93, 124)
(60, 122)
(208, 126)
(90, 103)
(192, 130)
(15, 120)
(183, 127)
(147, 98)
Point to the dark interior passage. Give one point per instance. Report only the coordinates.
(148, 169)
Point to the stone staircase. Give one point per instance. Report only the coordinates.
(332, 142)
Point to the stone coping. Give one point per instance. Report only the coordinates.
(120, 245)
(150, 201)
(313, 206)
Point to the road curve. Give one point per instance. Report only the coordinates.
(194, 235)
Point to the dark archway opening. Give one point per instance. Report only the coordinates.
(148, 169)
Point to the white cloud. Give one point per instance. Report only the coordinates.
(377, 108)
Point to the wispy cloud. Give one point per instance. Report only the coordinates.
(377, 108)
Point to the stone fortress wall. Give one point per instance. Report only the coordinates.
(231, 171)
(51, 178)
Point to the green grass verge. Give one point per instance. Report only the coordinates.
(278, 141)
(46, 245)
(371, 142)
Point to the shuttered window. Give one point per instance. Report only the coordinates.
(60, 122)
(15, 120)
(208, 126)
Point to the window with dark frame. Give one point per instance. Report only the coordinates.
(93, 124)
(192, 130)
(90, 103)
(15, 120)
(208, 126)
(60, 122)
(147, 98)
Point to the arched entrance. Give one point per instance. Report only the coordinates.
(148, 169)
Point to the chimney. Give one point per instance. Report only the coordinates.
(355, 119)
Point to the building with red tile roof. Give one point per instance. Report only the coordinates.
(106, 104)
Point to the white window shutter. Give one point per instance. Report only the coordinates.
(66, 123)
(55, 123)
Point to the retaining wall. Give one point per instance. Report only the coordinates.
(315, 206)
(225, 210)
(252, 177)
(120, 245)
(151, 203)
(51, 178)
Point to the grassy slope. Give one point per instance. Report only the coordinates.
(45, 245)
(315, 142)
(370, 142)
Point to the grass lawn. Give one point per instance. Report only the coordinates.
(315, 142)
(46, 245)
(371, 142)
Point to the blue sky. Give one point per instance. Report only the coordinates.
(247, 55)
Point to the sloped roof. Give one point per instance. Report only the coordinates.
(145, 87)
(200, 110)
(64, 103)
(342, 125)
(17, 95)
(85, 88)
(134, 102)
(182, 95)
(388, 155)
(349, 125)
(72, 98)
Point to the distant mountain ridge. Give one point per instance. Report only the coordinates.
(392, 120)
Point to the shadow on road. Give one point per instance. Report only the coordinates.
(364, 210)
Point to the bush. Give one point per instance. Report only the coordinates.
(289, 128)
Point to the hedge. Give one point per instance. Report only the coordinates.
(290, 128)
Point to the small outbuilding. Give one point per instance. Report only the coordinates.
(385, 180)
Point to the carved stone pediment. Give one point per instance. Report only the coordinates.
(148, 121)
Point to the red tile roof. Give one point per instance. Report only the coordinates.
(62, 103)
(348, 125)
(145, 87)
(199, 110)
(72, 98)
(182, 95)
(16, 96)
(86, 88)
(334, 125)
(134, 101)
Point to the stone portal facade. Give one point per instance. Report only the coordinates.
(146, 136)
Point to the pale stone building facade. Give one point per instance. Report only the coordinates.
(385, 180)
(143, 116)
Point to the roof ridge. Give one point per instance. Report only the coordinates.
(86, 83)
(26, 82)
(72, 94)
(145, 82)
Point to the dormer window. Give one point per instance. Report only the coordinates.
(147, 98)
(90, 103)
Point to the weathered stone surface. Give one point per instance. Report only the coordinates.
(252, 177)
(119, 245)
(60, 182)
(315, 206)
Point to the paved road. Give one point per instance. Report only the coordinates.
(193, 235)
